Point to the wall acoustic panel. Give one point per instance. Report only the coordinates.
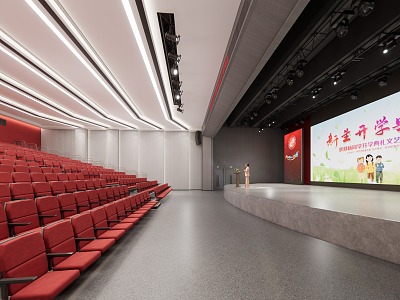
(59, 141)
(81, 142)
(151, 154)
(195, 163)
(112, 145)
(177, 159)
(129, 151)
(97, 149)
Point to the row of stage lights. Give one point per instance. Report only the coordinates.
(174, 72)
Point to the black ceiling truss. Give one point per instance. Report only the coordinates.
(356, 58)
(167, 29)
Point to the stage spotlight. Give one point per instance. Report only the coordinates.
(173, 38)
(290, 79)
(180, 108)
(300, 68)
(337, 78)
(315, 92)
(174, 69)
(388, 45)
(176, 83)
(342, 28)
(174, 57)
(354, 95)
(382, 82)
(251, 118)
(260, 129)
(273, 93)
(268, 98)
(255, 113)
(177, 94)
(365, 8)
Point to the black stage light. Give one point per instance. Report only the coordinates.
(251, 118)
(315, 92)
(268, 98)
(180, 108)
(173, 38)
(174, 69)
(365, 8)
(177, 94)
(342, 28)
(337, 78)
(382, 82)
(174, 57)
(354, 95)
(255, 113)
(176, 83)
(290, 79)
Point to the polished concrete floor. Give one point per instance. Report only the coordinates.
(198, 246)
(370, 203)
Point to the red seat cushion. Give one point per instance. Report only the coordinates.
(101, 245)
(79, 261)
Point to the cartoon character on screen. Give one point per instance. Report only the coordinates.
(379, 169)
(361, 169)
(370, 168)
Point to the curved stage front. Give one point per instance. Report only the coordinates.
(367, 221)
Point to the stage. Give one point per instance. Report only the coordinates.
(367, 221)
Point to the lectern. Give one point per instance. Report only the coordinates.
(237, 178)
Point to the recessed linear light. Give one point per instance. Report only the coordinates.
(82, 60)
(83, 41)
(26, 110)
(48, 70)
(45, 102)
(139, 41)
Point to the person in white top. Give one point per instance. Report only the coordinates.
(247, 175)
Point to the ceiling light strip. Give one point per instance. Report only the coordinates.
(39, 99)
(81, 58)
(54, 79)
(139, 41)
(11, 104)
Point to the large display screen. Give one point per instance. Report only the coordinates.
(361, 146)
(293, 164)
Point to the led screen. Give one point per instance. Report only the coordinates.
(293, 157)
(361, 146)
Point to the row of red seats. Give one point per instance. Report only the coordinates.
(31, 169)
(148, 185)
(162, 190)
(41, 263)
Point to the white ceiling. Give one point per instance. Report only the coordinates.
(105, 26)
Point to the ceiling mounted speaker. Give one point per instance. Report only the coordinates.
(198, 137)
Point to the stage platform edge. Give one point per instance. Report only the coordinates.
(374, 236)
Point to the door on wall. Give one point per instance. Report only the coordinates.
(218, 178)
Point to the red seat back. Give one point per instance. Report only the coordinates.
(22, 211)
(62, 177)
(6, 168)
(102, 196)
(57, 187)
(83, 227)
(6, 162)
(3, 223)
(38, 177)
(48, 209)
(21, 177)
(5, 177)
(80, 176)
(51, 176)
(34, 169)
(70, 186)
(116, 192)
(99, 219)
(19, 168)
(89, 184)
(41, 189)
(47, 170)
(21, 190)
(67, 205)
(71, 176)
(93, 198)
(20, 163)
(110, 194)
(82, 201)
(4, 193)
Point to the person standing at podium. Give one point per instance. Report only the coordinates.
(247, 175)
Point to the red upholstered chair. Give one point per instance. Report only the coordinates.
(48, 209)
(130, 210)
(80, 185)
(19, 168)
(96, 183)
(57, 187)
(102, 196)
(82, 201)
(29, 157)
(71, 176)
(101, 227)
(89, 184)
(85, 237)
(20, 163)
(48, 163)
(16, 263)
(38, 159)
(59, 238)
(4, 193)
(57, 170)
(85, 173)
(41, 189)
(47, 170)
(4, 232)
(123, 191)
(62, 177)
(80, 176)
(114, 221)
(8, 162)
(22, 216)
(103, 183)
(67, 205)
(93, 196)
(5, 178)
(34, 164)
(34, 169)
(70, 186)
(38, 177)
(116, 192)
(6, 169)
(21, 177)
(51, 177)
(56, 164)
(21, 190)
(110, 194)
(123, 214)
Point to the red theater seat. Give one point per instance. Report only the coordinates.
(67, 205)
(51, 176)
(114, 221)
(96, 183)
(101, 227)
(41, 189)
(4, 232)
(6, 168)
(93, 196)
(34, 164)
(103, 183)
(57, 187)
(38, 177)
(124, 215)
(8, 162)
(71, 176)
(70, 186)
(35, 169)
(62, 177)
(48, 209)
(21, 190)
(20, 163)
(57, 170)
(21, 177)
(29, 157)
(116, 192)
(89, 184)
(59, 238)
(102, 196)
(82, 201)
(80, 176)
(130, 209)
(80, 185)
(85, 236)
(47, 170)
(22, 216)
(4, 193)
(5, 177)
(110, 194)
(16, 262)
(18, 168)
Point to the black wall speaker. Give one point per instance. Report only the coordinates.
(3, 122)
(198, 137)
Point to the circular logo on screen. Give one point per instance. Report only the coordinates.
(292, 142)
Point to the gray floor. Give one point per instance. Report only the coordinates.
(198, 246)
